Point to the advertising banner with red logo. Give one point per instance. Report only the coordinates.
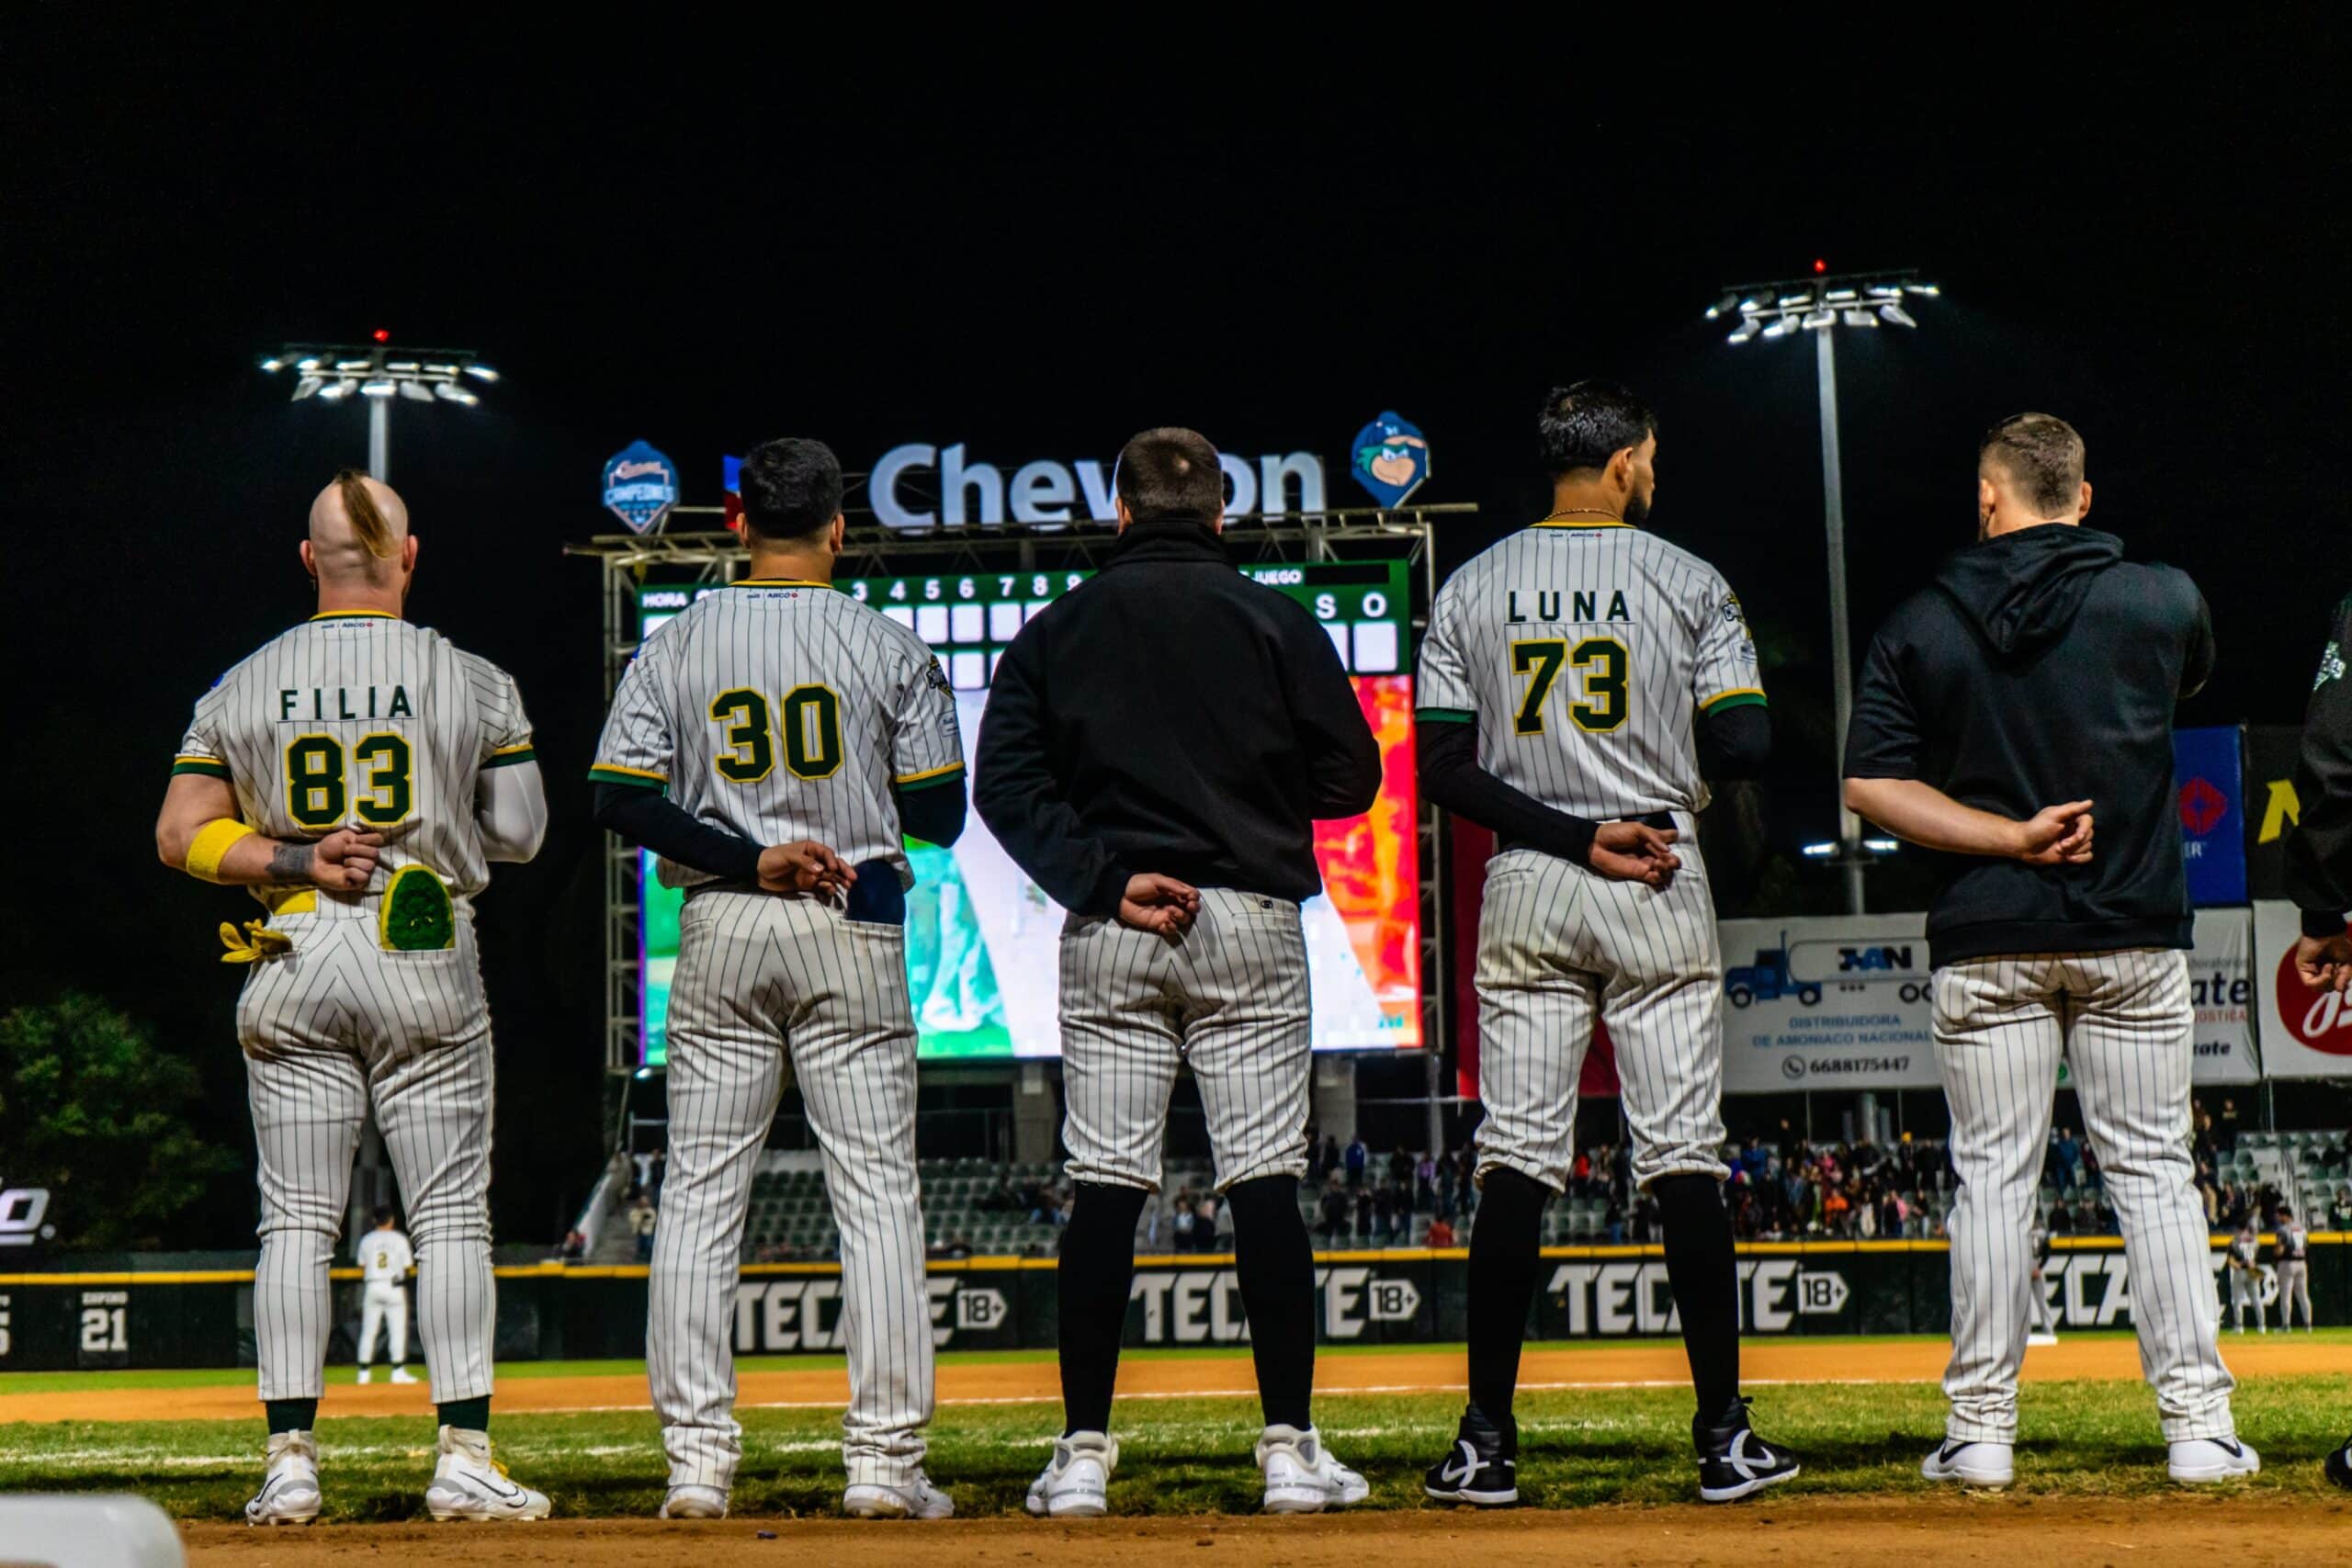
(2221, 981)
(2305, 1034)
(2211, 802)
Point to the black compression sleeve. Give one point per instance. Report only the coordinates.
(1450, 777)
(649, 817)
(933, 812)
(1735, 742)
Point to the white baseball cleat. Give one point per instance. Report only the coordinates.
(1972, 1463)
(366, 1374)
(1301, 1477)
(2041, 1337)
(2195, 1460)
(695, 1503)
(1076, 1482)
(914, 1499)
(289, 1491)
(470, 1485)
(402, 1374)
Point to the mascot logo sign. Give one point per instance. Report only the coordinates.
(1390, 458)
(641, 486)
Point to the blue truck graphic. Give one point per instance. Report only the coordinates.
(1805, 969)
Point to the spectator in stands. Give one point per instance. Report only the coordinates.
(1357, 1157)
(575, 1248)
(1334, 1226)
(959, 1245)
(1182, 1226)
(2226, 1129)
(2062, 1221)
(1440, 1232)
(1425, 1184)
(658, 1171)
(2069, 1150)
(1753, 1159)
(1615, 1222)
(2342, 1218)
(1205, 1218)
(1329, 1159)
(1445, 1189)
(1363, 1209)
(641, 1221)
(2092, 1177)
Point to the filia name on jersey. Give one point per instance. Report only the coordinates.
(319, 703)
(1546, 602)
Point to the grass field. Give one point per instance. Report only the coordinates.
(1180, 1455)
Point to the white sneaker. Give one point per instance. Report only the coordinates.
(290, 1490)
(916, 1499)
(470, 1485)
(1301, 1476)
(1076, 1482)
(402, 1374)
(695, 1503)
(2195, 1460)
(366, 1374)
(1971, 1464)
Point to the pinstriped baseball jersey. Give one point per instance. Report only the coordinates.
(784, 711)
(1582, 653)
(357, 716)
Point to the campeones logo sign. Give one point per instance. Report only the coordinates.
(641, 486)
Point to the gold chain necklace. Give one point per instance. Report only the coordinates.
(1583, 512)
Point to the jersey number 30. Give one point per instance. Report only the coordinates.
(317, 795)
(812, 734)
(1602, 663)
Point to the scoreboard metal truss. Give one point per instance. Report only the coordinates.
(629, 561)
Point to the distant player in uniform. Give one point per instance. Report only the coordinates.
(358, 774)
(2041, 1325)
(1158, 746)
(384, 1264)
(2246, 1278)
(2005, 715)
(775, 744)
(2293, 1267)
(2319, 850)
(1584, 669)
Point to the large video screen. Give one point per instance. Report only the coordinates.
(983, 940)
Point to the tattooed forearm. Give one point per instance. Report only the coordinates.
(290, 863)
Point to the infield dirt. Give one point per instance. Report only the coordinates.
(1006, 1382)
(2240, 1531)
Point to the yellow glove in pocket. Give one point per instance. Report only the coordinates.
(253, 944)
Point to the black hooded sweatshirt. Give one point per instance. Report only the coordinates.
(2043, 667)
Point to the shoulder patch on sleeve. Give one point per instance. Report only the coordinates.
(937, 678)
(2331, 667)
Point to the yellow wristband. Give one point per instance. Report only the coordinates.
(212, 841)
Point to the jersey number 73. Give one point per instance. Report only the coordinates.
(1600, 664)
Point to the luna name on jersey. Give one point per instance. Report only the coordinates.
(1582, 606)
(320, 703)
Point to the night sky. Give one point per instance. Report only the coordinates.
(703, 247)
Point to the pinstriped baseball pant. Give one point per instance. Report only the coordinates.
(2124, 1023)
(1230, 998)
(1560, 946)
(328, 1029)
(766, 986)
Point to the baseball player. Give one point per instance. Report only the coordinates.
(773, 744)
(1976, 708)
(358, 774)
(2246, 1278)
(1585, 668)
(1158, 746)
(384, 1264)
(2042, 1327)
(2293, 1267)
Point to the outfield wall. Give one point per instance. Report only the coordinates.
(121, 1312)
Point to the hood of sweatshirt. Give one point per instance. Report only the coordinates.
(2021, 591)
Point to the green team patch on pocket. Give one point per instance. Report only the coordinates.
(416, 915)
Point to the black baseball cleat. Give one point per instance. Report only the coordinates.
(2339, 1464)
(1480, 1470)
(1735, 1461)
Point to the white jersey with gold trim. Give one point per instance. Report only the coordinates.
(783, 711)
(359, 718)
(1583, 653)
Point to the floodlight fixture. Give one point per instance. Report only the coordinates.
(1890, 312)
(420, 376)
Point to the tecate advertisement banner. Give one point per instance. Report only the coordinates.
(2220, 983)
(1830, 1003)
(2305, 1034)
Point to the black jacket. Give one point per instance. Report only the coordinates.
(1170, 716)
(2319, 851)
(2043, 667)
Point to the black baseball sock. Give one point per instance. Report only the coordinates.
(467, 1415)
(1505, 1236)
(1276, 1265)
(1096, 1272)
(290, 1414)
(1705, 1277)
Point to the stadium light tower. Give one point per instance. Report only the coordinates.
(379, 372)
(1820, 304)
